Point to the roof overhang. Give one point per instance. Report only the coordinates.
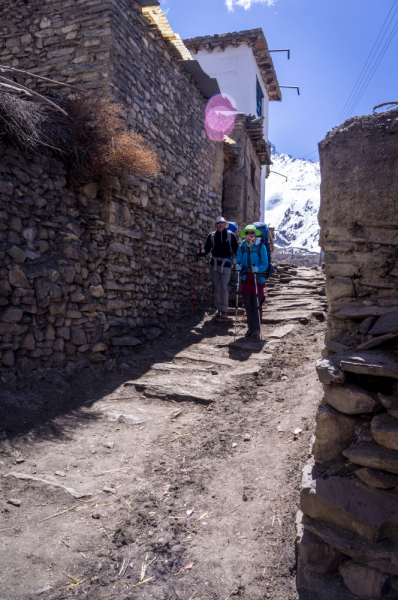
(254, 130)
(255, 39)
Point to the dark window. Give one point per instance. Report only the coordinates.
(259, 98)
(253, 174)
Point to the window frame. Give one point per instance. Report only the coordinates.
(259, 98)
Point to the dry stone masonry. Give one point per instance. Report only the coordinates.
(85, 272)
(348, 547)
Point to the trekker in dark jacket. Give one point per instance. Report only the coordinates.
(223, 245)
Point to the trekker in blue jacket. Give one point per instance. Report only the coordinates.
(251, 261)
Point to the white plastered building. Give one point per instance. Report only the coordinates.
(242, 64)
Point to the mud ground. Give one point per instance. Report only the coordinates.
(187, 500)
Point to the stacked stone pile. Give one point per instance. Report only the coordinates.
(349, 545)
(88, 272)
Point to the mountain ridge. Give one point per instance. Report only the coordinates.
(292, 206)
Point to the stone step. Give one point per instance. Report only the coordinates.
(280, 332)
(350, 504)
(272, 317)
(378, 555)
(373, 456)
(170, 392)
(224, 362)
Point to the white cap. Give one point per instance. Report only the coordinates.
(220, 220)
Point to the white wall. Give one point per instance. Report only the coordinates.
(235, 70)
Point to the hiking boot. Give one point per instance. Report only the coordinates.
(248, 333)
(256, 334)
(223, 316)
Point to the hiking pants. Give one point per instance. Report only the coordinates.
(253, 303)
(220, 287)
(253, 312)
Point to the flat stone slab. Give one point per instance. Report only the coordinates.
(369, 364)
(388, 323)
(382, 555)
(385, 431)
(216, 360)
(378, 341)
(286, 316)
(125, 418)
(170, 392)
(361, 312)
(27, 477)
(351, 399)
(247, 344)
(377, 479)
(373, 456)
(280, 332)
(172, 367)
(350, 504)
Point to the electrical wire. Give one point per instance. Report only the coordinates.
(370, 77)
(352, 99)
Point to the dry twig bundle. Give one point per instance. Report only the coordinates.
(92, 139)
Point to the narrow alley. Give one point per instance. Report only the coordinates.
(175, 476)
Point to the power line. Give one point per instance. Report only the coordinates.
(353, 94)
(370, 77)
(309, 154)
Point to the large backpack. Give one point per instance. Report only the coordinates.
(265, 240)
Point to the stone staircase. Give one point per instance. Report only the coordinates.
(202, 371)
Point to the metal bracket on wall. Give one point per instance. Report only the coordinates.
(283, 50)
(294, 87)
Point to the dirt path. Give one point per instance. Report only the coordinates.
(184, 460)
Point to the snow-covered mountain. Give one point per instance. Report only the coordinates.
(292, 206)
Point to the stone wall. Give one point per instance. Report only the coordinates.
(349, 494)
(84, 271)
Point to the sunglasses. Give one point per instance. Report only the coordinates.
(250, 233)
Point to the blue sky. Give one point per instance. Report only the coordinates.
(330, 41)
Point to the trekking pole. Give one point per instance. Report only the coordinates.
(237, 304)
(258, 307)
(196, 274)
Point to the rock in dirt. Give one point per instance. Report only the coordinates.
(14, 502)
(109, 445)
(334, 433)
(46, 588)
(247, 437)
(384, 429)
(349, 504)
(377, 479)
(96, 514)
(351, 399)
(60, 473)
(328, 372)
(26, 477)
(374, 456)
(362, 580)
(379, 555)
(109, 490)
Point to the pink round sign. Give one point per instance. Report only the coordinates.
(220, 115)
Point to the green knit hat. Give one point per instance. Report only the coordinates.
(250, 228)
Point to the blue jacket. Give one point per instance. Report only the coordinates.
(255, 260)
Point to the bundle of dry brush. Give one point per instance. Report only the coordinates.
(91, 139)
